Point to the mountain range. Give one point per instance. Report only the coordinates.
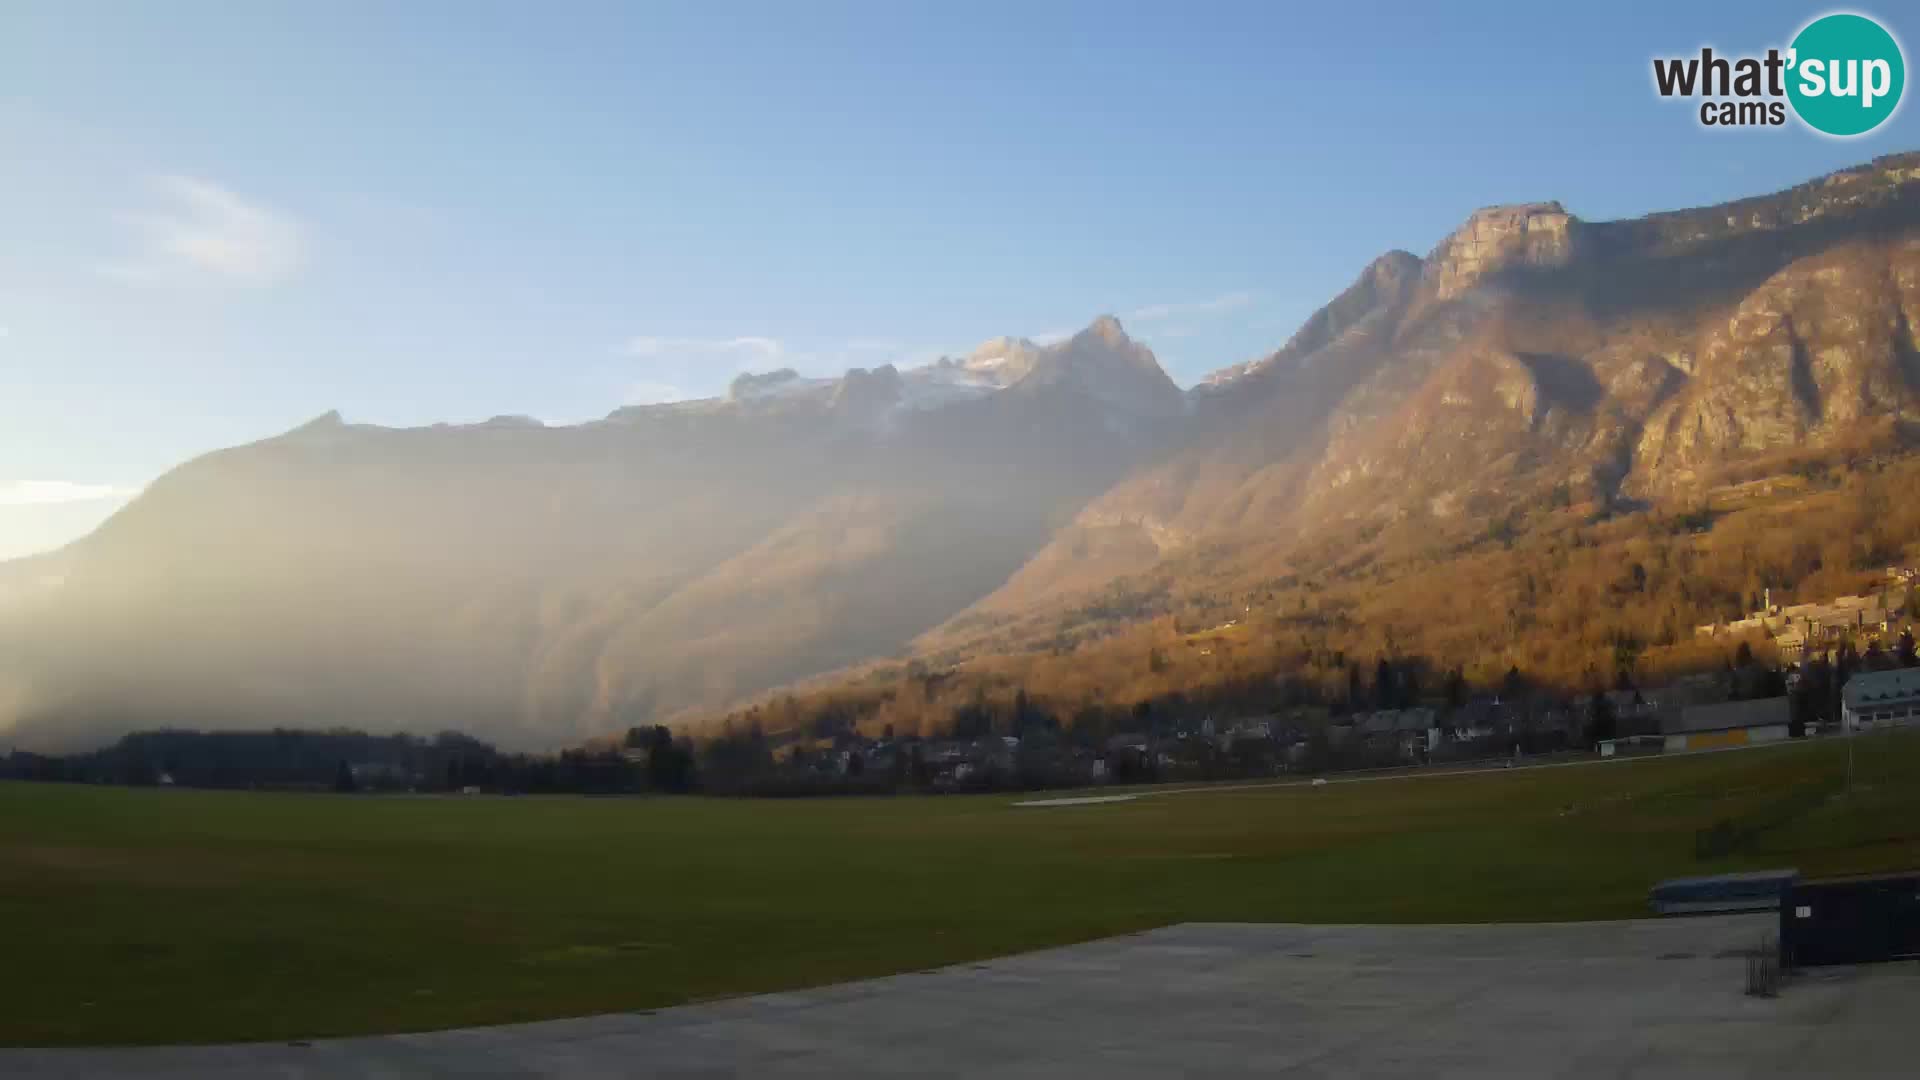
(539, 585)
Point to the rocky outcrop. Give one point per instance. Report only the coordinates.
(1821, 354)
(1854, 195)
(747, 385)
(1498, 237)
(866, 392)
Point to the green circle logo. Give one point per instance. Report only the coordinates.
(1846, 74)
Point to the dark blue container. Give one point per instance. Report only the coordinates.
(1851, 920)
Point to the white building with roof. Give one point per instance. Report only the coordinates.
(1877, 698)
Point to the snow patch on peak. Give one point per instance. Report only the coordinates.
(936, 385)
(1229, 374)
(1004, 360)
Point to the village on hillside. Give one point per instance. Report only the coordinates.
(1797, 670)
(1796, 627)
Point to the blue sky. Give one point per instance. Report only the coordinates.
(218, 220)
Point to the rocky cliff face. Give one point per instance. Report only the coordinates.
(1820, 354)
(1533, 352)
(1528, 235)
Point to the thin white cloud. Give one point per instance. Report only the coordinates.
(50, 492)
(745, 349)
(1156, 312)
(1051, 337)
(200, 231)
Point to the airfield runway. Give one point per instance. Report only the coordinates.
(1606, 999)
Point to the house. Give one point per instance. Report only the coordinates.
(1626, 703)
(1635, 713)
(992, 753)
(1861, 613)
(1416, 731)
(1734, 723)
(1261, 728)
(941, 756)
(1406, 731)
(1480, 718)
(1378, 727)
(884, 757)
(1791, 642)
(1844, 617)
(1561, 720)
(1418, 716)
(1878, 698)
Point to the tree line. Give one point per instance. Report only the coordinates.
(345, 760)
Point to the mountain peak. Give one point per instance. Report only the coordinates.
(331, 420)
(1393, 264)
(1108, 329)
(1102, 362)
(1380, 288)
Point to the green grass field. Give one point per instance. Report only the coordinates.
(134, 916)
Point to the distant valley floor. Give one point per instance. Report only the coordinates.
(1615, 999)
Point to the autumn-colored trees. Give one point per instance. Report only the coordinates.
(1569, 595)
